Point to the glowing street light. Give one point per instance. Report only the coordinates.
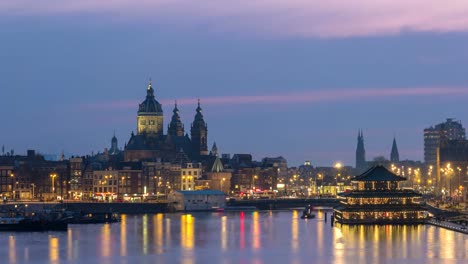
(52, 176)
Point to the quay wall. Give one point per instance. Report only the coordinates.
(277, 204)
(85, 207)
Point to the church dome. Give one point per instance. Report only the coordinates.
(150, 105)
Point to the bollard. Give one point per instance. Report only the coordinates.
(331, 219)
(325, 216)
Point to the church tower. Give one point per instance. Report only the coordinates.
(360, 152)
(150, 115)
(394, 155)
(114, 150)
(199, 134)
(176, 128)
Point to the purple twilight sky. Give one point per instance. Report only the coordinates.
(294, 78)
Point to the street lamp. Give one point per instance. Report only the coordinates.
(32, 194)
(222, 183)
(52, 177)
(253, 181)
(13, 193)
(338, 166)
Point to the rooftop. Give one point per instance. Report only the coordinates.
(378, 173)
(202, 192)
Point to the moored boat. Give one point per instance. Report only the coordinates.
(29, 224)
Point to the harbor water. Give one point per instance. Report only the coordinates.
(235, 237)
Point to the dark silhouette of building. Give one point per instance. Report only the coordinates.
(150, 142)
(394, 155)
(360, 152)
(199, 133)
(114, 150)
(453, 150)
(176, 128)
(449, 130)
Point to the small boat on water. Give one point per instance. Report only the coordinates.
(307, 213)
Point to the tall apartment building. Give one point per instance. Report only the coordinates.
(449, 130)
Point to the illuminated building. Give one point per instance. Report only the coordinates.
(150, 143)
(378, 199)
(450, 130)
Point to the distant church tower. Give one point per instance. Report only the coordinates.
(150, 115)
(394, 156)
(176, 128)
(114, 150)
(360, 152)
(199, 134)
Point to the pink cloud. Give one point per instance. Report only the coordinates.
(298, 97)
(307, 18)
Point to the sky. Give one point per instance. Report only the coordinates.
(294, 78)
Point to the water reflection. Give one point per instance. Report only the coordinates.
(144, 234)
(53, 249)
(339, 245)
(224, 233)
(12, 249)
(187, 231)
(256, 243)
(242, 230)
(158, 233)
(295, 231)
(260, 237)
(123, 235)
(105, 240)
(70, 244)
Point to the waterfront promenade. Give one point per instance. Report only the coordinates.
(448, 225)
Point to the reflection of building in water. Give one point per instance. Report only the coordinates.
(187, 231)
(377, 198)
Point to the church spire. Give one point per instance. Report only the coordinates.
(150, 84)
(360, 152)
(199, 133)
(176, 128)
(394, 155)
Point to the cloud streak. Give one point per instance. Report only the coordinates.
(303, 18)
(325, 96)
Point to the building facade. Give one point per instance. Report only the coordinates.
(449, 130)
(151, 144)
(378, 199)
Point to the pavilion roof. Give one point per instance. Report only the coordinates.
(378, 173)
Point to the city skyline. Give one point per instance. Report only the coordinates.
(73, 74)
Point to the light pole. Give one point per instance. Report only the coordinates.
(253, 182)
(32, 186)
(338, 166)
(222, 183)
(52, 177)
(13, 186)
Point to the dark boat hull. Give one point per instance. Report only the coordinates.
(308, 216)
(34, 227)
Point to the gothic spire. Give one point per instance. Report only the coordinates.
(360, 152)
(394, 155)
(176, 128)
(214, 150)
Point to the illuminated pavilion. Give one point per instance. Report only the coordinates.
(378, 199)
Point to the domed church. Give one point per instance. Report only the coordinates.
(150, 142)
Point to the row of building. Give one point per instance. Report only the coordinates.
(445, 166)
(153, 163)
